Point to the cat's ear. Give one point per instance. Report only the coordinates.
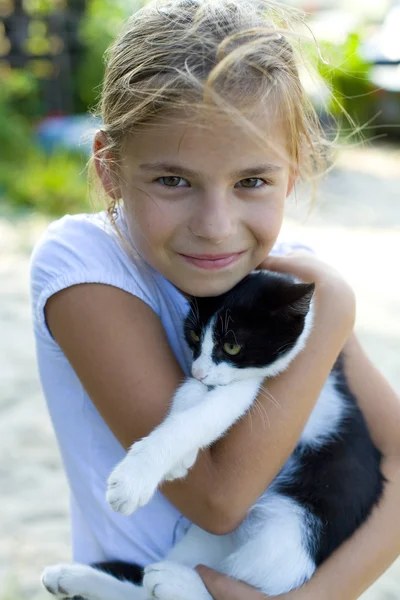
(300, 300)
(295, 299)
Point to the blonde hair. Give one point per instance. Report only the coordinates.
(232, 55)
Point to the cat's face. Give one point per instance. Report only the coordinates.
(254, 330)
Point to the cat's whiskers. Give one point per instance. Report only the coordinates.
(195, 309)
(250, 413)
(284, 346)
(228, 319)
(234, 335)
(266, 394)
(262, 412)
(191, 319)
(194, 315)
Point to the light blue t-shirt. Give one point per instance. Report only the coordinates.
(86, 249)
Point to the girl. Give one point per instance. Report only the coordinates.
(206, 130)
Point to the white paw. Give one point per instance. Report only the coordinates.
(181, 469)
(134, 481)
(68, 580)
(172, 581)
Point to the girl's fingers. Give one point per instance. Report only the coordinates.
(330, 287)
(300, 264)
(286, 259)
(304, 265)
(222, 587)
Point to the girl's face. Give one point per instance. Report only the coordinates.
(204, 205)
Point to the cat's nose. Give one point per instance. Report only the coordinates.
(198, 373)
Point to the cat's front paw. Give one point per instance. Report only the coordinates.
(172, 581)
(180, 470)
(134, 481)
(69, 580)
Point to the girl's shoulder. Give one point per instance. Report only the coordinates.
(77, 233)
(85, 248)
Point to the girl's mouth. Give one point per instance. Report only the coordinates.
(213, 261)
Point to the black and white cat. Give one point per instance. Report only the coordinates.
(324, 492)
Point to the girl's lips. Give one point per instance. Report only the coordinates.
(211, 262)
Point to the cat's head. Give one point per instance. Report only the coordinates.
(254, 330)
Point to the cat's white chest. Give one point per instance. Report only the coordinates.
(324, 421)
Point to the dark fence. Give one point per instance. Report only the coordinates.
(41, 37)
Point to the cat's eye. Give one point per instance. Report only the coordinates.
(194, 336)
(232, 349)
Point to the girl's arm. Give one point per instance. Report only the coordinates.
(376, 544)
(359, 561)
(118, 348)
(255, 449)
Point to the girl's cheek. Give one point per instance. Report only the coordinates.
(140, 214)
(268, 218)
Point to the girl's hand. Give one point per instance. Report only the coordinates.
(222, 587)
(331, 289)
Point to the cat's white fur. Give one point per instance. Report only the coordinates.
(273, 534)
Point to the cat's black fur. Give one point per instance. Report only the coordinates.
(250, 308)
(339, 482)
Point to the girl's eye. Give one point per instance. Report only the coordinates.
(172, 181)
(194, 336)
(252, 182)
(249, 183)
(232, 349)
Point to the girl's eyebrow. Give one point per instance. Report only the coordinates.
(249, 172)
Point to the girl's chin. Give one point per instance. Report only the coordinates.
(203, 289)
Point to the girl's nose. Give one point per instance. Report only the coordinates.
(213, 218)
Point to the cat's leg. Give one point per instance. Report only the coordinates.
(172, 581)
(181, 469)
(129, 486)
(175, 578)
(134, 481)
(191, 394)
(274, 546)
(200, 547)
(69, 580)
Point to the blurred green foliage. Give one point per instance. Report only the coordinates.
(53, 184)
(40, 7)
(98, 29)
(18, 97)
(352, 100)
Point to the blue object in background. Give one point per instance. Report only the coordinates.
(74, 132)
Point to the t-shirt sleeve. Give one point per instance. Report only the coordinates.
(282, 248)
(75, 250)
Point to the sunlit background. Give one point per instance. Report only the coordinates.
(51, 66)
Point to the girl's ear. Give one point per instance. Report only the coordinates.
(103, 160)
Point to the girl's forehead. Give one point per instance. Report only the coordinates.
(217, 135)
(205, 121)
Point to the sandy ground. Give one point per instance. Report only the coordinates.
(355, 226)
